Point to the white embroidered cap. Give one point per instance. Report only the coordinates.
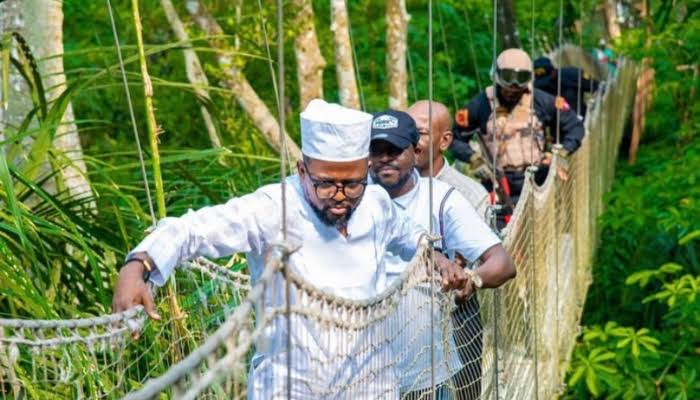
(331, 132)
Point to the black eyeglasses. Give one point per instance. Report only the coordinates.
(513, 77)
(327, 189)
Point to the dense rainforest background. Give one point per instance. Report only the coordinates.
(65, 226)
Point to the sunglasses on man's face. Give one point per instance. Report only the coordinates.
(513, 77)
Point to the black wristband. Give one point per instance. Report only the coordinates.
(146, 266)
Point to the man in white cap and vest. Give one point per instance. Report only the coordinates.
(343, 229)
(463, 234)
(522, 116)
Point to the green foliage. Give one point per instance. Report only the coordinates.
(673, 47)
(625, 362)
(644, 306)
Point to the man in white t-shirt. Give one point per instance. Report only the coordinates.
(463, 233)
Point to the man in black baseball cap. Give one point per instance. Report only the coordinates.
(465, 237)
(392, 151)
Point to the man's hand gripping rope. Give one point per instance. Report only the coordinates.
(454, 274)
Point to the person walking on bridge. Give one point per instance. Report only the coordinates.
(463, 236)
(574, 83)
(343, 228)
(471, 189)
(517, 126)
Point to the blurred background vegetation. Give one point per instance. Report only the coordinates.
(59, 256)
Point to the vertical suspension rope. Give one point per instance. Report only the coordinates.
(356, 64)
(533, 142)
(447, 58)
(280, 111)
(494, 157)
(558, 102)
(557, 188)
(580, 70)
(472, 51)
(430, 197)
(533, 286)
(132, 116)
(283, 176)
(263, 24)
(411, 75)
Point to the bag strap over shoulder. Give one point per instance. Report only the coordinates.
(442, 220)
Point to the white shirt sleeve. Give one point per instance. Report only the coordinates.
(465, 231)
(242, 224)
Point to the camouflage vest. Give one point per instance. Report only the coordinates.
(518, 145)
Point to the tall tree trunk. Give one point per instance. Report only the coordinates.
(40, 22)
(17, 97)
(195, 73)
(645, 88)
(310, 62)
(611, 19)
(507, 25)
(396, 37)
(246, 96)
(344, 68)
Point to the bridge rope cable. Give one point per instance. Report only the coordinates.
(268, 53)
(132, 115)
(448, 58)
(355, 62)
(472, 51)
(414, 90)
(283, 179)
(530, 177)
(411, 73)
(555, 165)
(559, 102)
(494, 174)
(431, 198)
(580, 70)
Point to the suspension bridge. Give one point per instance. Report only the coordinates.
(530, 324)
(203, 346)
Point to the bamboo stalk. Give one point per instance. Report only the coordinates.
(153, 130)
(179, 328)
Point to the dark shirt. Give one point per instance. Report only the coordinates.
(569, 86)
(479, 111)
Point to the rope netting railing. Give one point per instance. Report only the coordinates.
(377, 348)
(97, 357)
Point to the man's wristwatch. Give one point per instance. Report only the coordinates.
(148, 268)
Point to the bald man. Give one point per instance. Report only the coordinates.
(467, 316)
(472, 190)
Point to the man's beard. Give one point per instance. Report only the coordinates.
(506, 102)
(328, 219)
(332, 220)
(403, 178)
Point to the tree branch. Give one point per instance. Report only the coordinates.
(195, 72)
(246, 96)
